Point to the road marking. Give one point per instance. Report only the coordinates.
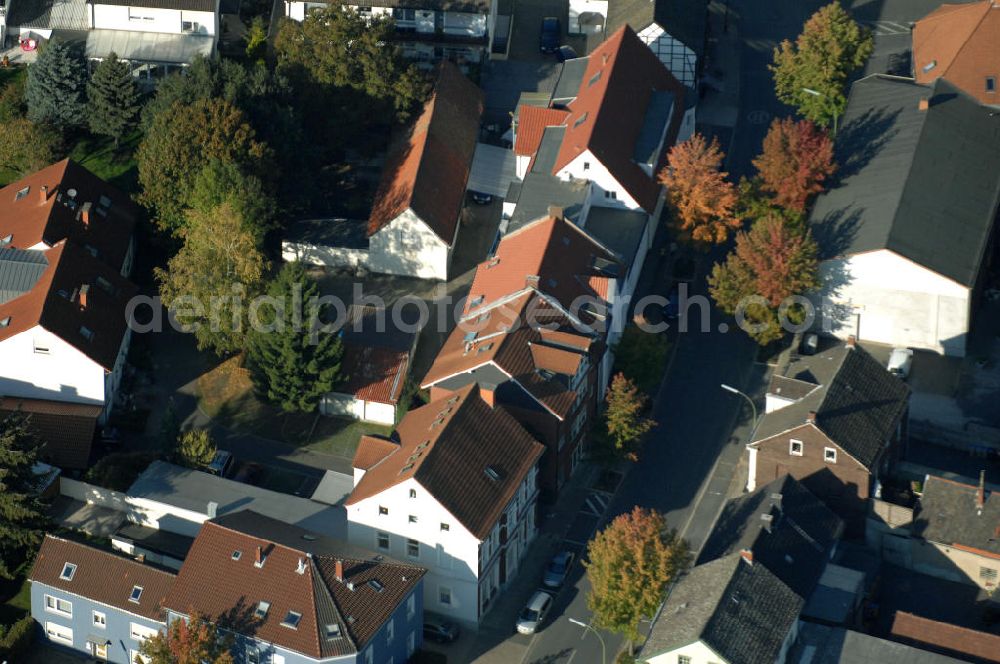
(596, 503)
(758, 117)
(886, 28)
(574, 542)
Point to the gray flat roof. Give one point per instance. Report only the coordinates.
(350, 233)
(570, 78)
(820, 644)
(654, 124)
(153, 539)
(618, 229)
(19, 272)
(334, 488)
(539, 191)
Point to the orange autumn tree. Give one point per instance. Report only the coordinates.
(796, 161)
(703, 200)
(623, 418)
(191, 641)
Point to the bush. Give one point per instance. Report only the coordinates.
(16, 640)
(642, 357)
(119, 470)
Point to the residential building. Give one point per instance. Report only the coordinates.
(94, 601)
(729, 611)
(967, 645)
(530, 358)
(414, 223)
(64, 338)
(463, 31)
(595, 146)
(675, 30)
(835, 422)
(66, 201)
(155, 37)
(906, 235)
(455, 491)
(822, 644)
(959, 42)
(290, 596)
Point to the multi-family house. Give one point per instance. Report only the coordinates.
(529, 357)
(66, 201)
(959, 42)
(463, 31)
(595, 146)
(822, 644)
(907, 234)
(156, 37)
(95, 601)
(729, 611)
(291, 596)
(414, 223)
(834, 421)
(455, 491)
(960, 642)
(64, 338)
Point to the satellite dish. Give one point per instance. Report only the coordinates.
(71, 193)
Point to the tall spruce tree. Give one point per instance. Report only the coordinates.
(21, 513)
(114, 99)
(292, 364)
(56, 92)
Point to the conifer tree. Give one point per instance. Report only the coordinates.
(21, 513)
(114, 99)
(56, 92)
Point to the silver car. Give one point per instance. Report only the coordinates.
(534, 613)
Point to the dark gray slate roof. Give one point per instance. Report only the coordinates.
(154, 539)
(618, 229)
(570, 77)
(858, 403)
(541, 189)
(71, 15)
(741, 611)
(803, 532)
(923, 184)
(350, 233)
(19, 272)
(661, 103)
(947, 513)
(820, 644)
(685, 20)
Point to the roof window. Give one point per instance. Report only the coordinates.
(68, 570)
(494, 473)
(333, 631)
(580, 120)
(292, 619)
(405, 469)
(4, 322)
(136, 594)
(595, 78)
(261, 611)
(929, 66)
(21, 193)
(86, 333)
(376, 585)
(237, 555)
(5, 240)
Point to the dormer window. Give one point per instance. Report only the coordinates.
(136, 594)
(68, 570)
(830, 454)
(86, 333)
(291, 620)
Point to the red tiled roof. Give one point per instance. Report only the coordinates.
(962, 41)
(946, 638)
(554, 359)
(450, 446)
(30, 220)
(371, 450)
(552, 249)
(218, 583)
(66, 430)
(429, 171)
(607, 114)
(102, 576)
(531, 124)
(374, 373)
(54, 303)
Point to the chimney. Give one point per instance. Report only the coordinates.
(811, 417)
(43, 194)
(84, 292)
(981, 491)
(85, 214)
(776, 500)
(338, 570)
(923, 104)
(766, 521)
(530, 280)
(213, 509)
(747, 555)
(260, 558)
(852, 341)
(141, 558)
(555, 212)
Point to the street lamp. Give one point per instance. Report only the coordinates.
(817, 93)
(730, 388)
(587, 627)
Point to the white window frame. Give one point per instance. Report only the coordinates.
(53, 606)
(410, 541)
(99, 619)
(792, 442)
(56, 632)
(139, 633)
(830, 454)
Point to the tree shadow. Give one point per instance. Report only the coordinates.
(860, 139)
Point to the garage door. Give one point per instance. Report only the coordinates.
(492, 170)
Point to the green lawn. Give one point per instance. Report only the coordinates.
(334, 435)
(118, 167)
(18, 604)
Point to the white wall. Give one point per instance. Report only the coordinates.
(697, 651)
(62, 374)
(347, 405)
(896, 301)
(137, 510)
(312, 254)
(407, 246)
(587, 167)
(148, 19)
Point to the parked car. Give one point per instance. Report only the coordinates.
(566, 53)
(440, 631)
(899, 362)
(221, 463)
(551, 34)
(530, 620)
(558, 569)
(480, 198)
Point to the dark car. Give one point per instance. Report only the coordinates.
(558, 569)
(440, 631)
(551, 34)
(566, 53)
(480, 198)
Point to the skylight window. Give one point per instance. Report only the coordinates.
(86, 333)
(21, 193)
(595, 78)
(104, 201)
(261, 611)
(136, 594)
(7, 239)
(292, 619)
(580, 120)
(333, 631)
(237, 555)
(68, 570)
(4, 322)
(376, 585)
(930, 65)
(493, 473)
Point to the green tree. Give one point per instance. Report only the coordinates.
(56, 91)
(114, 99)
(26, 147)
(208, 284)
(771, 263)
(629, 565)
(811, 74)
(224, 182)
(191, 641)
(340, 47)
(22, 515)
(256, 40)
(292, 363)
(623, 418)
(178, 144)
(195, 448)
